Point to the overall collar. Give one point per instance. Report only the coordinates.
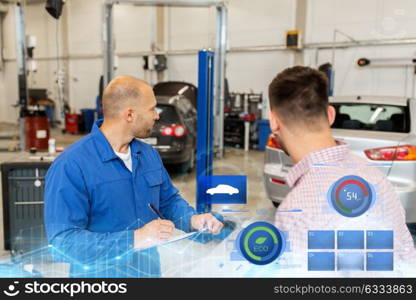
(104, 148)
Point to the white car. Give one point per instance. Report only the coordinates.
(223, 189)
(381, 130)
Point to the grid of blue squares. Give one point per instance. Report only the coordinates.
(347, 258)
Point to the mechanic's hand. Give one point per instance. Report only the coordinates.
(198, 222)
(153, 233)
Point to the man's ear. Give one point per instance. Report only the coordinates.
(274, 122)
(331, 113)
(128, 114)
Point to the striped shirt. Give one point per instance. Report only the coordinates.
(311, 179)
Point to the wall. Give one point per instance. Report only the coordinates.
(251, 23)
(8, 75)
(45, 30)
(364, 20)
(134, 27)
(132, 32)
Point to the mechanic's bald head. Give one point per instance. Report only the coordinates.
(129, 106)
(121, 92)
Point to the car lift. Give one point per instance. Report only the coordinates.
(205, 126)
(205, 142)
(211, 76)
(220, 52)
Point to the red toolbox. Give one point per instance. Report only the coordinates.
(72, 123)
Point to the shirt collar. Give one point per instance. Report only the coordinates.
(329, 155)
(104, 148)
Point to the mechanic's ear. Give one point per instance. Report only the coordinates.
(274, 122)
(331, 113)
(128, 115)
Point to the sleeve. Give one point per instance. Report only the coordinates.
(67, 210)
(172, 206)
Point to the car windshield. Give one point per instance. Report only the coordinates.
(167, 114)
(376, 117)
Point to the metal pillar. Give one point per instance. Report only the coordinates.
(220, 51)
(205, 125)
(21, 71)
(108, 43)
(300, 24)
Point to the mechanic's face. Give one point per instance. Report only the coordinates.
(146, 115)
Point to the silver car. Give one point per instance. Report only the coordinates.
(381, 130)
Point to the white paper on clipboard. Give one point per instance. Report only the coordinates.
(177, 236)
(180, 235)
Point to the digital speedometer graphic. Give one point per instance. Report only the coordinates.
(351, 196)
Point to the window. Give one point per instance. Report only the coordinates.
(377, 117)
(167, 114)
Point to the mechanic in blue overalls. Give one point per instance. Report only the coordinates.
(105, 195)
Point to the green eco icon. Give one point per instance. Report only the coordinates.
(261, 240)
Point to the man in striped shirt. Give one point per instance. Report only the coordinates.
(300, 119)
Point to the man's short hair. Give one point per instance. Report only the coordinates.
(299, 95)
(119, 93)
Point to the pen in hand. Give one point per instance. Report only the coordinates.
(155, 211)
